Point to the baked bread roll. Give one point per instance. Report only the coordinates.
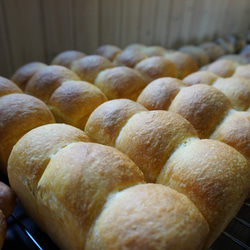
(155, 50)
(156, 67)
(19, 113)
(242, 71)
(87, 187)
(108, 51)
(88, 67)
(148, 216)
(184, 63)
(159, 94)
(65, 58)
(197, 53)
(223, 67)
(237, 89)
(205, 107)
(47, 80)
(120, 82)
(74, 101)
(24, 73)
(213, 50)
(8, 87)
(155, 140)
(205, 77)
(235, 57)
(227, 45)
(7, 204)
(129, 58)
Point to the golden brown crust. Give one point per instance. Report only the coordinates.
(237, 90)
(19, 113)
(150, 137)
(203, 106)
(120, 82)
(129, 58)
(89, 67)
(217, 181)
(37, 168)
(159, 94)
(106, 121)
(223, 67)
(47, 80)
(108, 51)
(25, 73)
(8, 87)
(198, 54)
(184, 63)
(242, 71)
(156, 67)
(65, 58)
(7, 200)
(235, 131)
(150, 217)
(74, 101)
(198, 77)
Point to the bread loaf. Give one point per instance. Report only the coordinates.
(7, 204)
(213, 50)
(86, 195)
(88, 67)
(19, 113)
(155, 140)
(66, 58)
(242, 71)
(204, 106)
(25, 72)
(108, 51)
(120, 82)
(184, 63)
(156, 67)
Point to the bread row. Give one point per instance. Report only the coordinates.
(164, 188)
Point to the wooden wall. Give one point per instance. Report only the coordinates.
(37, 30)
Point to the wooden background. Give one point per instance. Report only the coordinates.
(37, 30)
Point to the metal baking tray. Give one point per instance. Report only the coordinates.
(22, 232)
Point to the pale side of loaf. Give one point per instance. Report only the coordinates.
(243, 71)
(74, 101)
(120, 82)
(19, 113)
(66, 58)
(47, 80)
(148, 216)
(25, 72)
